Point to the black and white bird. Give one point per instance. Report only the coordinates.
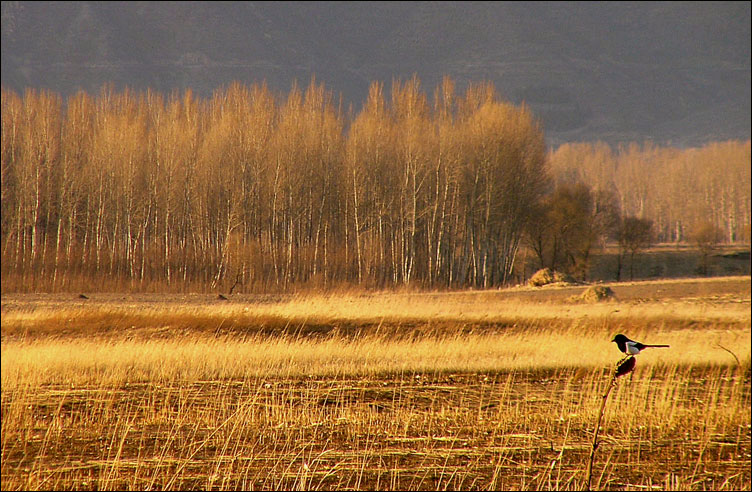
(630, 347)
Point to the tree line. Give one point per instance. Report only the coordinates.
(680, 190)
(268, 191)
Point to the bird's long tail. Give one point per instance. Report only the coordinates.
(657, 346)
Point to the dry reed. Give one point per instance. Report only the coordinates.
(378, 393)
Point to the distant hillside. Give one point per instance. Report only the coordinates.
(614, 71)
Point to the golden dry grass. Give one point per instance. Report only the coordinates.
(478, 390)
(198, 357)
(721, 300)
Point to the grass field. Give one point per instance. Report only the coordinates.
(412, 391)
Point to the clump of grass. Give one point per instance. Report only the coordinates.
(596, 293)
(546, 276)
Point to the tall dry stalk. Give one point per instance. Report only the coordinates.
(623, 367)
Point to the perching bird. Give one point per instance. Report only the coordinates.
(630, 347)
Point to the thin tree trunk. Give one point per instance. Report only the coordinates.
(357, 229)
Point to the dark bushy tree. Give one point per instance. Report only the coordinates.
(569, 225)
(706, 237)
(632, 234)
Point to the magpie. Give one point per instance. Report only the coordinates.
(630, 347)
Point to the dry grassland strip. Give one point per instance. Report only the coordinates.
(404, 391)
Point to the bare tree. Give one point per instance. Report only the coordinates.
(705, 237)
(633, 234)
